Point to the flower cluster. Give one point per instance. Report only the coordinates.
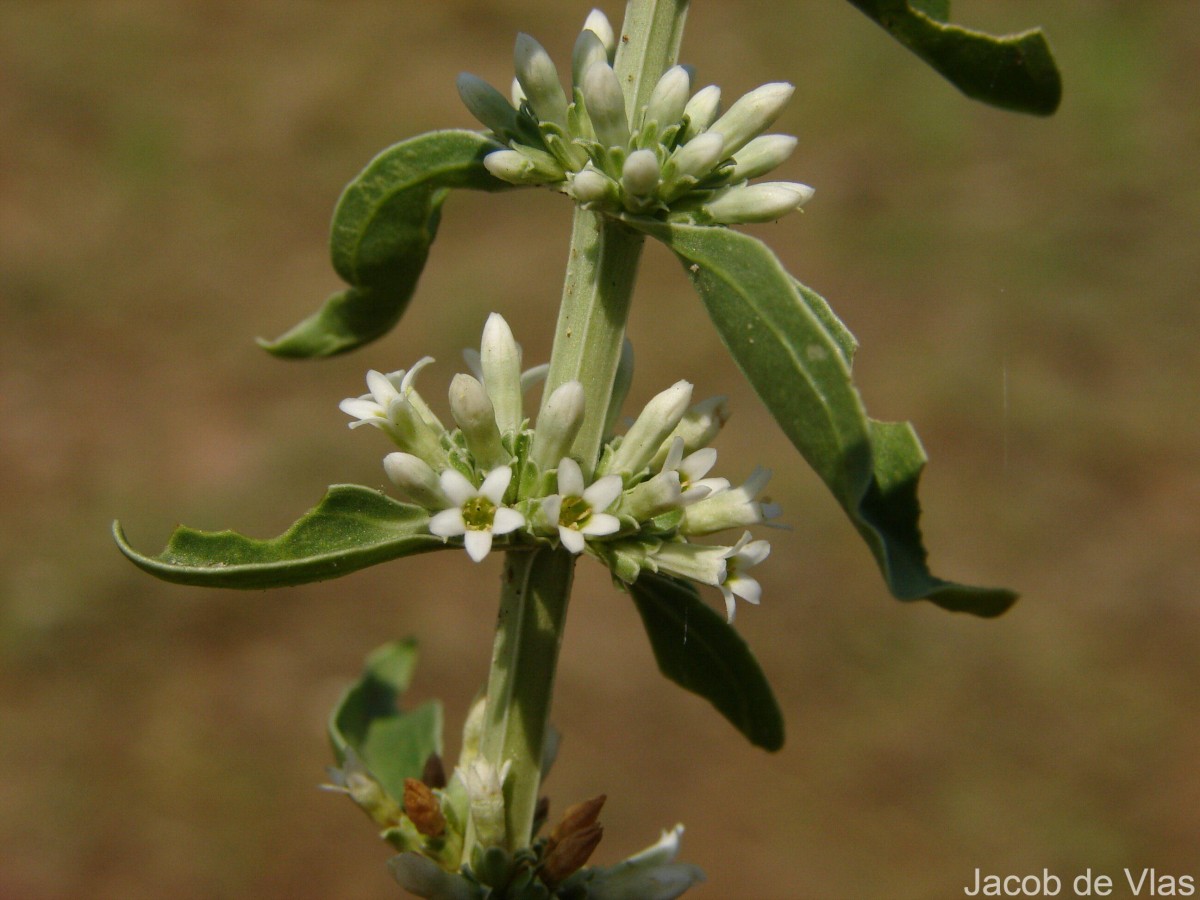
(494, 480)
(677, 153)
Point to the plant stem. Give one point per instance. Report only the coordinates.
(601, 270)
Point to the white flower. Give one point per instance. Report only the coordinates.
(579, 512)
(699, 562)
(485, 793)
(652, 874)
(732, 508)
(478, 513)
(394, 406)
(741, 556)
(692, 469)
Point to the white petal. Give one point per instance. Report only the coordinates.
(477, 543)
(448, 523)
(599, 524)
(571, 539)
(674, 455)
(550, 508)
(694, 494)
(406, 383)
(506, 520)
(730, 604)
(381, 387)
(745, 587)
(570, 478)
(456, 487)
(754, 553)
(471, 358)
(698, 464)
(361, 408)
(496, 484)
(603, 492)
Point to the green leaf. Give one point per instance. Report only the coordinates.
(1015, 72)
(351, 528)
(781, 336)
(383, 226)
(391, 743)
(698, 650)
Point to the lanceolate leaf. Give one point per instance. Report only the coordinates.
(352, 527)
(1014, 72)
(698, 650)
(393, 744)
(383, 226)
(782, 337)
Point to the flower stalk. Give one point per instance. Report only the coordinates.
(601, 270)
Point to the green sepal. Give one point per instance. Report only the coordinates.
(369, 722)
(383, 226)
(1014, 72)
(351, 528)
(784, 338)
(698, 650)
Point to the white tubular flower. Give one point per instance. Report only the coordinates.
(598, 24)
(701, 110)
(733, 508)
(525, 166)
(474, 414)
(485, 793)
(477, 513)
(762, 155)
(653, 497)
(539, 81)
(765, 202)
(697, 157)
(646, 435)
(500, 360)
(691, 471)
(558, 422)
(752, 114)
(698, 427)
(741, 556)
(640, 174)
(579, 512)
(394, 406)
(669, 97)
(699, 562)
(606, 105)
(416, 479)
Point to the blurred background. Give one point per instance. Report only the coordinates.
(1024, 290)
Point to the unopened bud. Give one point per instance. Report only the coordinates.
(751, 114)
(527, 166)
(592, 186)
(701, 110)
(589, 49)
(422, 808)
(474, 414)
(569, 856)
(558, 422)
(500, 359)
(433, 773)
(653, 497)
(416, 479)
(669, 97)
(539, 81)
(698, 427)
(763, 202)
(606, 105)
(646, 435)
(762, 155)
(577, 816)
(488, 105)
(598, 24)
(639, 176)
(700, 155)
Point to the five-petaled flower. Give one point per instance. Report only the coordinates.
(741, 556)
(579, 512)
(478, 513)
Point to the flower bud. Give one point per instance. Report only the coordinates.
(539, 81)
(589, 49)
(701, 110)
(422, 808)
(488, 105)
(700, 155)
(699, 562)
(751, 114)
(646, 435)
(764, 202)
(669, 97)
(416, 479)
(558, 422)
(474, 414)
(598, 24)
(593, 186)
(484, 784)
(606, 105)
(698, 427)
(653, 497)
(762, 155)
(500, 359)
(524, 166)
(639, 176)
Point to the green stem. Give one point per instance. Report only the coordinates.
(601, 270)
